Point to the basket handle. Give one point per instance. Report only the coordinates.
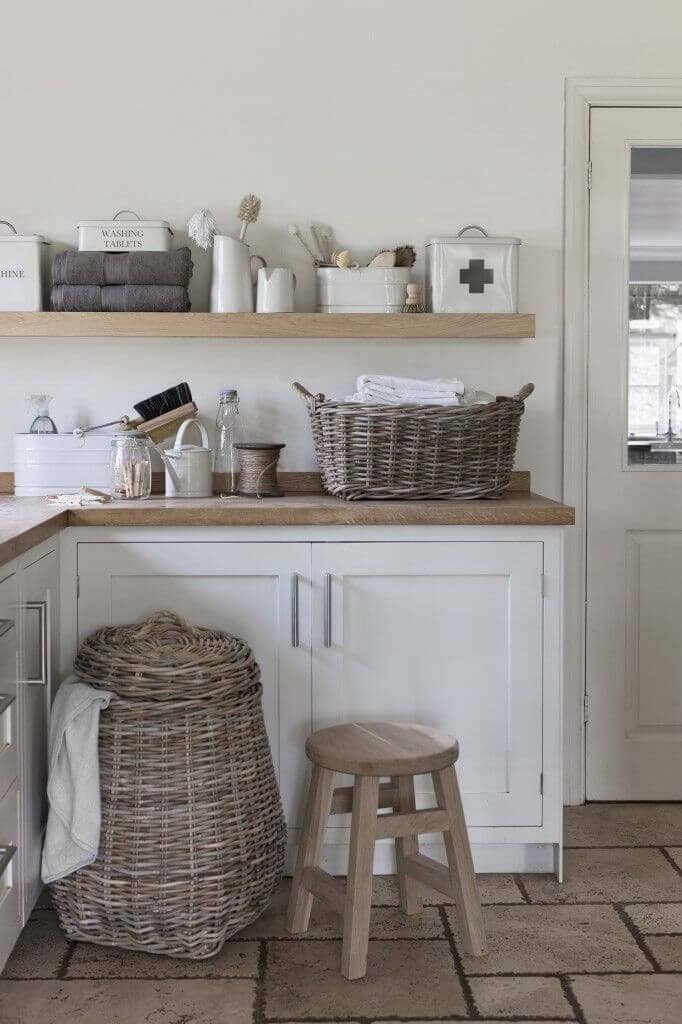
(308, 397)
(524, 393)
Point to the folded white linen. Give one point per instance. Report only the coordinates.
(74, 819)
(396, 390)
(382, 390)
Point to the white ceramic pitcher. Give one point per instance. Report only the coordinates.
(233, 275)
(189, 467)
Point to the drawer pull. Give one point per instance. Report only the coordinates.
(41, 608)
(294, 609)
(327, 611)
(6, 625)
(6, 854)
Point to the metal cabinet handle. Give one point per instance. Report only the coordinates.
(294, 609)
(41, 608)
(327, 611)
(6, 625)
(6, 854)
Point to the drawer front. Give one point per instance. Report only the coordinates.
(9, 632)
(10, 916)
(8, 742)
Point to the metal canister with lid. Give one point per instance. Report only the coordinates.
(21, 277)
(472, 273)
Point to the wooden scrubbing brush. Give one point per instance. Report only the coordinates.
(249, 208)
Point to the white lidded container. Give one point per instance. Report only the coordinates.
(21, 277)
(472, 273)
(60, 463)
(361, 289)
(116, 235)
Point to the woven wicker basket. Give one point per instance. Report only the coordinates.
(415, 451)
(193, 838)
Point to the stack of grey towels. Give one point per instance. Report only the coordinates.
(121, 282)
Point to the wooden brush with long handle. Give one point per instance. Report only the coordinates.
(249, 208)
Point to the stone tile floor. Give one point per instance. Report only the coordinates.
(603, 948)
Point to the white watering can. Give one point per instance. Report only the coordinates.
(189, 467)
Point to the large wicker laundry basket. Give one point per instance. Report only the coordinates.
(415, 451)
(193, 838)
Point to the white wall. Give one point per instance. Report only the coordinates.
(392, 120)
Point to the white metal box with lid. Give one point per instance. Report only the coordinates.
(472, 273)
(124, 235)
(50, 463)
(361, 289)
(21, 277)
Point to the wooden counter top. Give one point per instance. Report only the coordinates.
(25, 522)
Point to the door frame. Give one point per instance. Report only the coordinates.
(582, 94)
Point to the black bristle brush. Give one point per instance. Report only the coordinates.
(165, 401)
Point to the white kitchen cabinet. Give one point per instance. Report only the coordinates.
(39, 631)
(10, 904)
(251, 590)
(459, 629)
(448, 635)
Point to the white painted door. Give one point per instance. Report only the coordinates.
(446, 634)
(39, 585)
(245, 589)
(634, 512)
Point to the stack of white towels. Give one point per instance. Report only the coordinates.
(375, 389)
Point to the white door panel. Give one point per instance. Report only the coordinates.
(449, 635)
(244, 589)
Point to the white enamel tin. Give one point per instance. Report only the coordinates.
(21, 266)
(119, 235)
(189, 467)
(472, 273)
(60, 463)
(361, 289)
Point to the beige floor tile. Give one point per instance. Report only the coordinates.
(667, 950)
(623, 825)
(521, 997)
(386, 922)
(553, 940)
(492, 889)
(235, 960)
(608, 876)
(652, 918)
(127, 1002)
(40, 950)
(641, 999)
(405, 979)
(676, 854)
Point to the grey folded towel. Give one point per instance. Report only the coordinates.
(120, 298)
(103, 268)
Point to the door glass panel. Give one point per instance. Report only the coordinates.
(654, 424)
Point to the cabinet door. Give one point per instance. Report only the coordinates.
(448, 635)
(37, 654)
(246, 589)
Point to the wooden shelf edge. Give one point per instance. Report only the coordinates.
(321, 326)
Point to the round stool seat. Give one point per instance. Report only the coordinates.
(381, 748)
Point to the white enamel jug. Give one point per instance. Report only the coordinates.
(233, 275)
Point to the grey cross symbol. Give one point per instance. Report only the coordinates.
(477, 276)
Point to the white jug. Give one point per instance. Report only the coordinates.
(275, 291)
(189, 467)
(232, 280)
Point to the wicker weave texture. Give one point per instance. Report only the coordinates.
(415, 451)
(193, 836)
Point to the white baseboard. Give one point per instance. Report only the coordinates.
(489, 858)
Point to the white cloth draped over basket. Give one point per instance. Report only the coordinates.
(380, 389)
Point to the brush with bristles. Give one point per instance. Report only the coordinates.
(295, 232)
(405, 256)
(249, 208)
(202, 227)
(413, 302)
(324, 239)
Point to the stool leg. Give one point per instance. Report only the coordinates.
(405, 846)
(317, 810)
(460, 862)
(359, 885)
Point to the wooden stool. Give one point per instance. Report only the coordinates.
(369, 751)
